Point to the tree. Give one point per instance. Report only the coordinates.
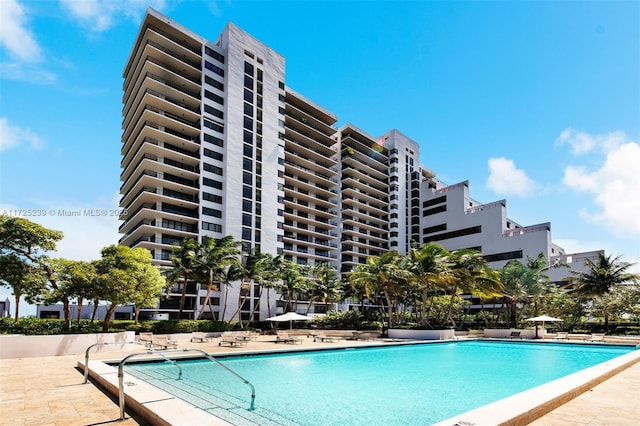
(326, 286)
(523, 282)
(76, 279)
(472, 275)
(384, 275)
(124, 276)
(24, 279)
(213, 258)
(250, 269)
(431, 267)
(148, 284)
(183, 267)
(602, 276)
(30, 242)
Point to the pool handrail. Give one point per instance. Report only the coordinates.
(211, 358)
(86, 355)
(121, 375)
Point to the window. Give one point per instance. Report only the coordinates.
(215, 98)
(247, 137)
(247, 150)
(435, 201)
(246, 206)
(248, 95)
(213, 82)
(247, 164)
(246, 234)
(212, 183)
(212, 197)
(215, 69)
(248, 123)
(213, 169)
(212, 154)
(248, 82)
(211, 212)
(211, 227)
(213, 126)
(214, 140)
(215, 55)
(246, 178)
(248, 68)
(247, 192)
(435, 210)
(248, 109)
(246, 220)
(281, 84)
(213, 111)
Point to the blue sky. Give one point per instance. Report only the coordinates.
(537, 102)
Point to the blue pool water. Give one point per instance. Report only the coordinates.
(400, 385)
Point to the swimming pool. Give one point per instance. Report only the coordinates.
(416, 384)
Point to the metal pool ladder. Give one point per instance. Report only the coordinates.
(121, 396)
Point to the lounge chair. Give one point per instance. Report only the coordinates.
(199, 337)
(146, 338)
(562, 335)
(164, 343)
(515, 335)
(247, 335)
(595, 337)
(284, 337)
(230, 339)
(325, 338)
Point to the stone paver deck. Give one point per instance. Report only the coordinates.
(50, 391)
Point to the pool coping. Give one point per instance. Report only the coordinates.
(161, 408)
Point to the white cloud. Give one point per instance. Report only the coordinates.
(15, 36)
(12, 136)
(20, 71)
(506, 179)
(100, 15)
(615, 185)
(583, 143)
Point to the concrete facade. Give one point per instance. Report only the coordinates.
(215, 143)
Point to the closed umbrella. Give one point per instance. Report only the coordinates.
(290, 316)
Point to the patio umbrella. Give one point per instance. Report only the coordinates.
(290, 316)
(543, 318)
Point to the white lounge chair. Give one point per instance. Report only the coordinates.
(284, 337)
(146, 338)
(230, 339)
(164, 343)
(595, 337)
(325, 338)
(198, 336)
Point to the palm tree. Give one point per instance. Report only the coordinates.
(602, 276)
(430, 265)
(471, 275)
(249, 270)
(384, 275)
(183, 267)
(294, 280)
(326, 286)
(523, 282)
(272, 277)
(212, 260)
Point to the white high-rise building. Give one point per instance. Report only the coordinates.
(215, 143)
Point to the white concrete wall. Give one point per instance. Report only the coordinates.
(20, 346)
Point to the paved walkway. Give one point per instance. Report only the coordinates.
(49, 391)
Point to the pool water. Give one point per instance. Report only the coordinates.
(399, 385)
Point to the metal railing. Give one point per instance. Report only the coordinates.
(151, 351)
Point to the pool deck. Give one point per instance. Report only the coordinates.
(50, 391)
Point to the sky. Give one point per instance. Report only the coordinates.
(537, 103)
